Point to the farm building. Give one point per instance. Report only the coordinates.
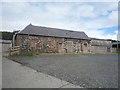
(100, 45)
(45, 39)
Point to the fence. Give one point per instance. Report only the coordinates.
(15, 49)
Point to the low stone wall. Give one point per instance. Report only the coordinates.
(115, 50)
(101, 46)
(6, 47)
(100, 49)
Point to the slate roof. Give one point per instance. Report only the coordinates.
(54, 32)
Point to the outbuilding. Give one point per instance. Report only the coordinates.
(46, 39)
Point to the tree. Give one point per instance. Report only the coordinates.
(7, 35)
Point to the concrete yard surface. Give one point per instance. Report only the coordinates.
(16, 75)
(88, 71)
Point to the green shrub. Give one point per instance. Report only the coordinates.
(26, 54)
(37, 53)
(15, 54)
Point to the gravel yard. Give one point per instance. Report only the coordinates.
(89, 71)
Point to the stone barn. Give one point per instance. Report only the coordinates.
(100, 46)
(46, 40)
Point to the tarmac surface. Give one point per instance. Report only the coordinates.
(89, 71)
(15, 75)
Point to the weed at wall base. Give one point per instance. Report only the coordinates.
(22, 54)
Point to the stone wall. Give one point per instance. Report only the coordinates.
(101, 46)
(51, 44)
(6, 47)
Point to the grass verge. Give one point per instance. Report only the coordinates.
(22, 54)
(115, 52)
(59, 53)
(37, 53)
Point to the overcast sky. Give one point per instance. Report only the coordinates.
(98, 20)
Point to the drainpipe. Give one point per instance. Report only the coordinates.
(13, 44)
